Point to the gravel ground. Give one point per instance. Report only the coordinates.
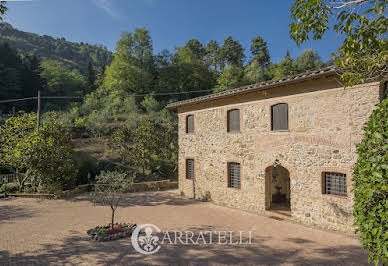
(41, 232)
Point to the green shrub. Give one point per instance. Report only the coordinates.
(370, 182)
(9, 188)
(45, 153)
(86, 165)
(50, 188)
(29, 189)
(109, 165)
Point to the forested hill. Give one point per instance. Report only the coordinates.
(75, 55)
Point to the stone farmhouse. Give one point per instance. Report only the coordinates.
(285, 146)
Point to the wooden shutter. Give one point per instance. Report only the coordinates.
(190, 124)
(234, 120)
(279, 114)
(189, 168)
(234, 175)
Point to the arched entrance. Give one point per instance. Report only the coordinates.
(277, 188)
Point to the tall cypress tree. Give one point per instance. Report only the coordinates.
(90, 78)
(10, 72)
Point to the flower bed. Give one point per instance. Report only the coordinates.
(107, 233)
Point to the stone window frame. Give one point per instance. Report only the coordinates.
(186, 172)
(228, 177)
(340, 171)
(288, 117)
(226, 112)
(186, 124)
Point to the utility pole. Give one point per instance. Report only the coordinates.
(38, 111)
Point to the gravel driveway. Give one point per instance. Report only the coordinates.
(41, 232)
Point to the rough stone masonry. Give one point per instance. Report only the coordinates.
(325, 121)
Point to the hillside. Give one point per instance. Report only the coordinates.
(75, 55)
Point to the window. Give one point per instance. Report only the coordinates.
(334, 184)
(279, 117)
(234, 175)
(189, 168)
(234, 120)
(190, 124)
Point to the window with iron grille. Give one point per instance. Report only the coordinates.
(234, 175)
(234, 120)
(279, 116)
(190, 124)
(334, 184)
(189, 168)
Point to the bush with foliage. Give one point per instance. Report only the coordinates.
(19, 143)
(46, 155)
(9, 188)
(86, 165)
(370, 182)
(147, 146)
(53, 161)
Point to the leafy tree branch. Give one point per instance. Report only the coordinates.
(363, 55)
(3, 9)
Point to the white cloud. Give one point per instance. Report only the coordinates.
(107, 7)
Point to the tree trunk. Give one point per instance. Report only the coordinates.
(20, 181)
(113, 216)
(143, 169)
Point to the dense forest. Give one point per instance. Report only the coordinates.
(114, 108)
(74, 55)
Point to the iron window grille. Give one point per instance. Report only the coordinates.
(334, 184)
(234, 120)
(190, 124)
(279, 117)
(189, 168)
(234, 175)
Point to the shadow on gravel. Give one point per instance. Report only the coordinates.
(144, 199)
(9, 213)
(76, 250)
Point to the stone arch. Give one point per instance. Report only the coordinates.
(277, 188)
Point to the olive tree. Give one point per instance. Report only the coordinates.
(18, 144)
(45, 155)
(144, 146)
(109, 189)
(53, 162)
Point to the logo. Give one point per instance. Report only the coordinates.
(145, 244)
(147, 239)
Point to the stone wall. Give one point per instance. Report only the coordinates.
(325, 122)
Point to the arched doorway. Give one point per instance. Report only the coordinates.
(277, 188)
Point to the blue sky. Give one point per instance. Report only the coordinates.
(171, 22)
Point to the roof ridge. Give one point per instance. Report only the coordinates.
(258, 85)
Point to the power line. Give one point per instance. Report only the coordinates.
(81, 97)
(62, 97)
(168, 93)
(17, 100)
